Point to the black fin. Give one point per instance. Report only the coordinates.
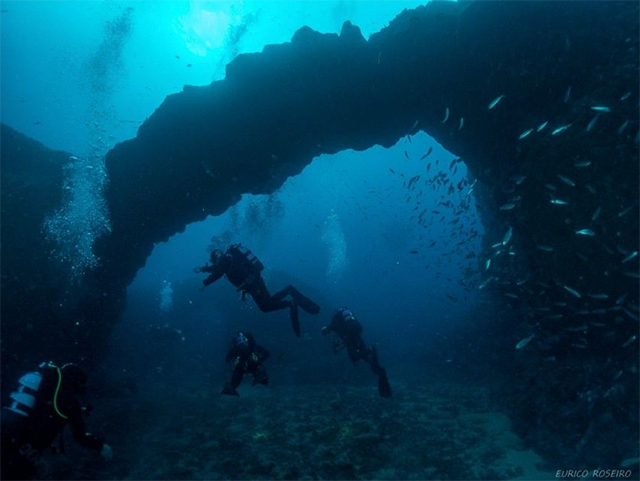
(229, 390)
(295, 319)
(384, 388)
(303, 301)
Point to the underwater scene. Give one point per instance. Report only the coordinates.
(332, 240)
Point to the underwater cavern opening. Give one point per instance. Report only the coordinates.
(392, 233)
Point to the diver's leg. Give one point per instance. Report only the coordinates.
(260, 376)
(265, 301)
(303, 301)
(371, 356)
(231, 387)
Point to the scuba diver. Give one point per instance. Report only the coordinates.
(243, 269)
(247, 357)
(345, 325)
(43, 404)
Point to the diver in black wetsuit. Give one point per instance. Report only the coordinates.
(345, 325)
(44, 403)
(247, 357)
(243, 269)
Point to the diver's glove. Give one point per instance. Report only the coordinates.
(106, 452)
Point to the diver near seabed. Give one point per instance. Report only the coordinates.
(345, 325)
(247, 357)
(243, 270)
(42, 405)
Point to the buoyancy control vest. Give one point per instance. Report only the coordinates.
(243, 255)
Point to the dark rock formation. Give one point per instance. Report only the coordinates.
(553, 62)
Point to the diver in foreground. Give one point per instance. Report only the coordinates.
(243, 269)
(345, 325)
(44, 403)
(247, 357)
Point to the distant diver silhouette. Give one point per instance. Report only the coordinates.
(243, 270)
(345, 325)
(247, 357)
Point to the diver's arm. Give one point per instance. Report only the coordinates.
(79, 430)
(216, 271)
(231, 353)
(212, 278)
(263, 354)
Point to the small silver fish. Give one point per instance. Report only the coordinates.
(633, 275)
(498, 244)
(507, 206)
(592, 124)
(485, 283)
(630, 340)
(546, 248)
(560, 304)
(630, 314)
(583, 164)
(630, 256)
(623, 127)
(446, 115)
(601, 108)
(596, 214)
(541, 126)
(495, 101)
(585, 232)
(556, 316)
(560, 129)
(626, 96)
(519, 179)
(621, 299)
(512, 296)
(590, 189)
(507, 237)
(461, 123)
(525, 134)
(567, 180)
(524, 342)
(559, 202)
(415, 124)
(598, 296)
(487, 264)
(625, 211)
(573, 292)
(550, 186)
(567, 95)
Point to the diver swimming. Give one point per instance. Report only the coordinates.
(247, 357)
(43, 404)
(348, 329)
(243, 269)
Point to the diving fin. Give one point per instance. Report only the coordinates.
(229, 390)
(295, 319)
(307, 304)
(384, 388)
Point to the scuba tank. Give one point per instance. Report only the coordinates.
(24, 398)
(254, 263)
